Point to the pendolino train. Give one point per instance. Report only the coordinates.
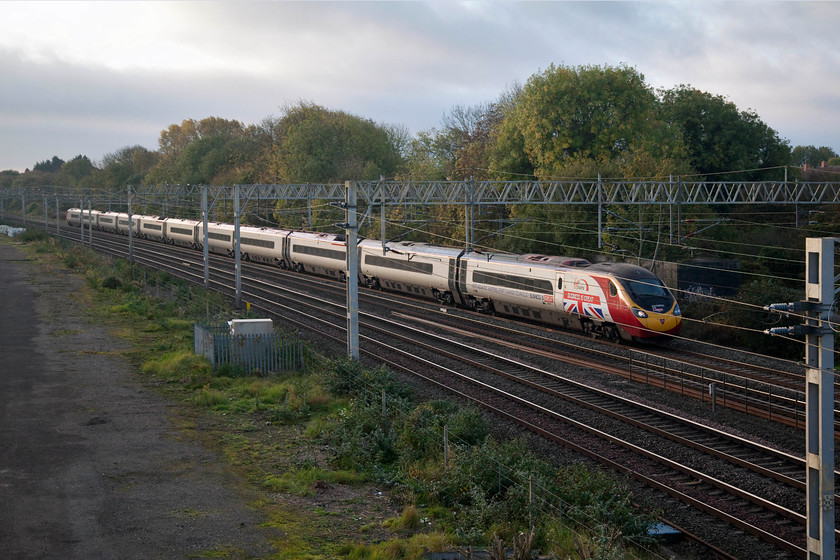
(607, 300)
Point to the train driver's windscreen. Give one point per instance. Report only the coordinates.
(649, 293)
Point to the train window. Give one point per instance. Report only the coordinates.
(318, 252)
(405, 266)
(153, 226)
(218, 236)
(559, 283)
(524, 283)
(182, 231)
(648, 293)
(613, 289)
(268, 244)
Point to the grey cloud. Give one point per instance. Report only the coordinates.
(410, 62)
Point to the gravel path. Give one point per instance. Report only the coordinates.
(92, 464)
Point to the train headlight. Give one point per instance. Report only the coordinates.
(677, 311)
(639, 313)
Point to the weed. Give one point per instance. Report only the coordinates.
(414, 548)
(302, 481)
(410, 519)
(231, 370)
(179, 365)
(209, 398)
(274, 393)
(319, 401)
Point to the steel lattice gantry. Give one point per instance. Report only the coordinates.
(593, 191)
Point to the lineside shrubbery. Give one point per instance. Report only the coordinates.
(481, 487)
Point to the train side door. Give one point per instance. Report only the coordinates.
(559, 279)
(612, 295)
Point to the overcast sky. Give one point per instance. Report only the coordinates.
(93, 77)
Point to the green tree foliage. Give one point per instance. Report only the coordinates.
(720, 139)
(428, 157)
(53, 172)
(73, 172)
(50, 165)
(588, 119)
(210, 151)
(315, 144)
(811, 155)
(34, 179)
(469, 131)
(127, 166)
(550, 230)
(8, 177)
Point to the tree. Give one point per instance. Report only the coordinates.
(721, 140)
(177, 137)
(73, 171)
(316, 144)
(462, 147)
(428, 157)
(811, 156)
(580, 123)
(127, 166)
(7, 178)
(49, 166)
(471, 132)
(585, 119)
(211, 151)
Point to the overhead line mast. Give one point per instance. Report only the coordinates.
(819, 391)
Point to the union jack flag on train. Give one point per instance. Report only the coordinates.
(583, 304)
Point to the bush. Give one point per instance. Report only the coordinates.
(32, 235)
(348, 377)
(112, 283)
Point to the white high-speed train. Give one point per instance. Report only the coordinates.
(608, 300)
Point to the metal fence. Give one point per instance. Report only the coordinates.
(256, 354)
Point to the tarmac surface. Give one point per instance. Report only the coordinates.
(91, 464)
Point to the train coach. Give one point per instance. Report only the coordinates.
(124, 225)
(318, 253)
(265, 245)
(419, 269)
(607, 300)
(152, 227)
(74, 217)
(108, 221)
(77, 216)
(183, 232)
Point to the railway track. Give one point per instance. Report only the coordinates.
(772, 393)
(746, 510)
(533, 392)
